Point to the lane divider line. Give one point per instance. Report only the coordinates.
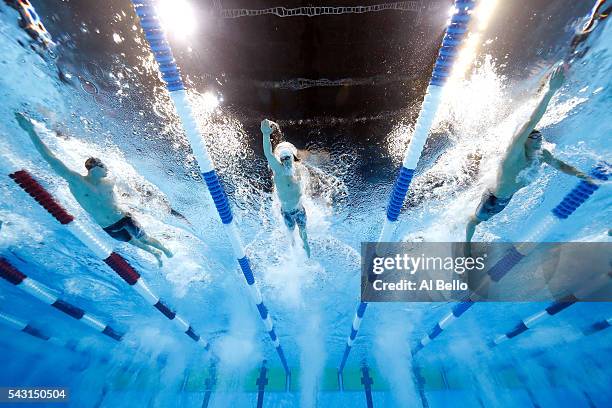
(91, 239)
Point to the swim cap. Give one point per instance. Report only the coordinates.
(286, 149)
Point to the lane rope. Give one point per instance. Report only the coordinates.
(551, 310)
(314, 11)
(91, 239)
(568, 205)
(170, 74)
(456, 32)
(43, 293)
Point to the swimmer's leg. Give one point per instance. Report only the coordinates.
(291, 236)
(138, 234)
(156, 253)
(304, 237)
(290, 224)
(469, 233)
(147, 240)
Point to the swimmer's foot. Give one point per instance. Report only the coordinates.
(168, 253)
(307, 249)
(158, 256)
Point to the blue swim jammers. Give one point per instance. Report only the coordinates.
(491, 205)
(296, 216)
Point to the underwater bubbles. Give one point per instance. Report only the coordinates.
(88, 86)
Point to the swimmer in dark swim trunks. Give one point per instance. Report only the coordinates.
(288, 175)
(95, 192)
(125, 229)
(296, 216)
(491, 205)
(524, 151)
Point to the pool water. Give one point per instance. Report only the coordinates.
(122, 115)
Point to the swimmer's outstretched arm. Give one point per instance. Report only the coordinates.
(555, 81)
(267, 127)
(563, 167)
(56, 164)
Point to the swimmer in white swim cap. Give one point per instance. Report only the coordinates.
(287, 176)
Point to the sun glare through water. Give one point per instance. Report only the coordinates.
(473, 42)
(468, 53)
(177, 17)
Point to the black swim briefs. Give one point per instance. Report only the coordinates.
(125, 229)
(491, 205)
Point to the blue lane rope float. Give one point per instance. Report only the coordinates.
(45, 295)
(597, 326)
(532, 320)
(553, 309)
(568, 205)
(170, 74)
(448, 53)
(116, 262)
(591, 329)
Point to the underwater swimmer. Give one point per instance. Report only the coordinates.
(524, 151)
(95, 193)
(287, 177)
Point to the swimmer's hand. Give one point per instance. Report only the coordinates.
(24, 122)
(556, 79)
(267, 126)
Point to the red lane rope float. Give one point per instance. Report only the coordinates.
(122, 268)
(10, 273)
(34, 189)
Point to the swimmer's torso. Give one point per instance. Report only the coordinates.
(98, 200)
(508, 180)
(289, 190)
